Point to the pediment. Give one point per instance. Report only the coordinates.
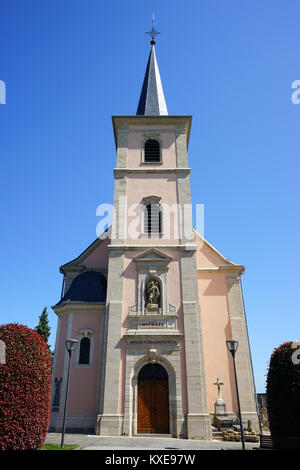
(152, 255)
(151, 199)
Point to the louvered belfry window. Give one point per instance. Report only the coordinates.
(152, 151)
(152, 218)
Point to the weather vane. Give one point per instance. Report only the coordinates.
(153, 32)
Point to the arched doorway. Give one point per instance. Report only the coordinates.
(153, 400)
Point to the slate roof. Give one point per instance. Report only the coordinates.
(89, 286)
(152, 101)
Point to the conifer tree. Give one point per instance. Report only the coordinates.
(43, 328)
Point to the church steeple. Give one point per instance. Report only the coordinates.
(152, 101)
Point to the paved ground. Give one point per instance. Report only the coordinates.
(93, 442)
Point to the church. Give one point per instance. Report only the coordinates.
(150, 301)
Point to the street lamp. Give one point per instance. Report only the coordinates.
(70, 345)
(232, 346)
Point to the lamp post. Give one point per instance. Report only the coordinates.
(70, 345)
(232, 346)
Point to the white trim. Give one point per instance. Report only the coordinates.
(65, 368)
(55, 360)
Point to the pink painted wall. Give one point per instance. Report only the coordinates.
(206, 257)
(161, 185)
(83, 379)
(60, 351)
(135, 142)
(216, 327)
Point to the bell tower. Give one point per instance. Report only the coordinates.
(152, 313)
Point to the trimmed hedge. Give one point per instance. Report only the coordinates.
(24, 389)
(283, 392)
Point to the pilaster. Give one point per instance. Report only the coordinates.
(109, 421)
(243, 355)
(198, 419)
(122, 147)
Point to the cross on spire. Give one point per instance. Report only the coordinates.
(153, 32)
(152, 101)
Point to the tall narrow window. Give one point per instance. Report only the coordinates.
(152, 219)
(152, 151)
(84, 354)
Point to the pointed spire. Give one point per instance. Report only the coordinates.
(152, 101)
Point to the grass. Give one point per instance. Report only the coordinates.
(57, 447)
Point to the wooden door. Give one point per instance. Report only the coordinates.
(161, 406)
(145, 407)
(153, 406)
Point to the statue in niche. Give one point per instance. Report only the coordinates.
(152, 294)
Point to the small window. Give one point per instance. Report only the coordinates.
(152, 151)
(84, 354)
(152, 220)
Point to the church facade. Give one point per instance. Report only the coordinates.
(150, 301)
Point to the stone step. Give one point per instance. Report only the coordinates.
(145, 434)
(216, 435)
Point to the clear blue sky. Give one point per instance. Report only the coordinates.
(70, 65)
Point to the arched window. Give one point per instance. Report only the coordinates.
(153, 219)
(84, 353)
(152, 151)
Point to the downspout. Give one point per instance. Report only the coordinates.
(245, 317)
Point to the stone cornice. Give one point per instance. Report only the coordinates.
(154, 316)
(78, 268)
(238, 268)
(75, 268)
(147, 247)
(234, 269)
(79, 307)
(121, 172)
(182, 124)
(155, 334)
